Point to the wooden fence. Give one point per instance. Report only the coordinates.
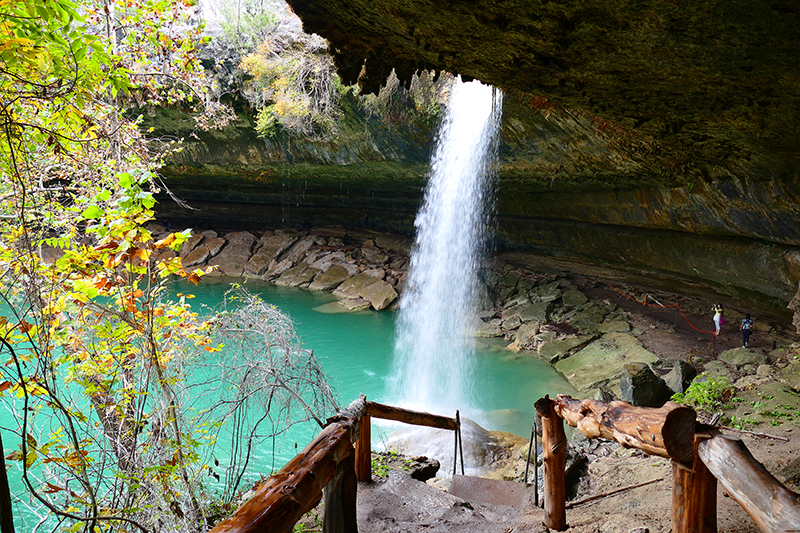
(700, 457)
(335, 460)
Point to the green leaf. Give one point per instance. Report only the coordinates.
(92, 212)
(125, 179)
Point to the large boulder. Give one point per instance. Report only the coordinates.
(268, 252)
(380, 294)
(601, 362)
(329, 279)
(190, 244)
(297, 276)
(739, 357)
(352, 287)
(231, 260)
(196, 257)
(557, 349)
(640, 386)
(299, 249)
(681, 376)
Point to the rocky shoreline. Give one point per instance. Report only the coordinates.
(592, 339)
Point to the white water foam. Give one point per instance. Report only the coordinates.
(434, 359)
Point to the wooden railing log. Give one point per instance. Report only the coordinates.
(667, 431)
(340, 500)
(554, 459)
(387, 412)
(773, 507)
(297, 488)
(694, 493)
(364, 449)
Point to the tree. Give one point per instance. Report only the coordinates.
(96, 352)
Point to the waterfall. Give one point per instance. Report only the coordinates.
(434, 357)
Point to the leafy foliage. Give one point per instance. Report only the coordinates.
(706, 392)
(97, 355)
(295, 88)
(294, 84)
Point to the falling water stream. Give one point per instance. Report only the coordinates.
(434, 359)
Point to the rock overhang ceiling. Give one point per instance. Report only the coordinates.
(716, 84)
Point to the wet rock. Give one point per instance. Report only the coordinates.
(536, 312)
(355, 304)
(380, 294)
(614, 324)
(372, 255)
(601, 361)
(717, 369)
(681, 376)
(481, 329)
(739, 357)
(557, 349)
(276, 268)
(298, 250)
(573, 298)
(790, 374)
(196, 257)
(235, 254)
(297, 276)
(190, 244)
(209, 234)
(214, 244)
(526, 334)
(589, 317)
(352, 287)
(271, 248)
(394, 243)
(330, 278)
(422, 468)
(640, 386)
(512, 323)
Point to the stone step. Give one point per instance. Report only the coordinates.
(491, 491)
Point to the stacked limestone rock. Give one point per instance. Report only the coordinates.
(364, 270)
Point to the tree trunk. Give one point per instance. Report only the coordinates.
(773, 507)
(667, 431)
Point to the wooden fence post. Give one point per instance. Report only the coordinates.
(364, 449)
(339, 508)
(694, 493)
(554, 459)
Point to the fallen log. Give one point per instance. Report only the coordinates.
(667, 431)
(297, 488)
(387, 412)
(773, 507)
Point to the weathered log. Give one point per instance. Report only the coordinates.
(773, 507)
(364, 449)
(694, 494)
(667, 431)
(554, 459)
(387, 412)
(297, 488)
(339, 510)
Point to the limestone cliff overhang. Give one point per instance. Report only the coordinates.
(717, 82)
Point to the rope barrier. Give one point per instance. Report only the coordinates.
(675, 305)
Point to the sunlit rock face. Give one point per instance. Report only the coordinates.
(716, 83)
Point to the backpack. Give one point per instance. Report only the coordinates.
(747, 323)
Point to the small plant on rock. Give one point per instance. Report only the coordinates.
(707, 393)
